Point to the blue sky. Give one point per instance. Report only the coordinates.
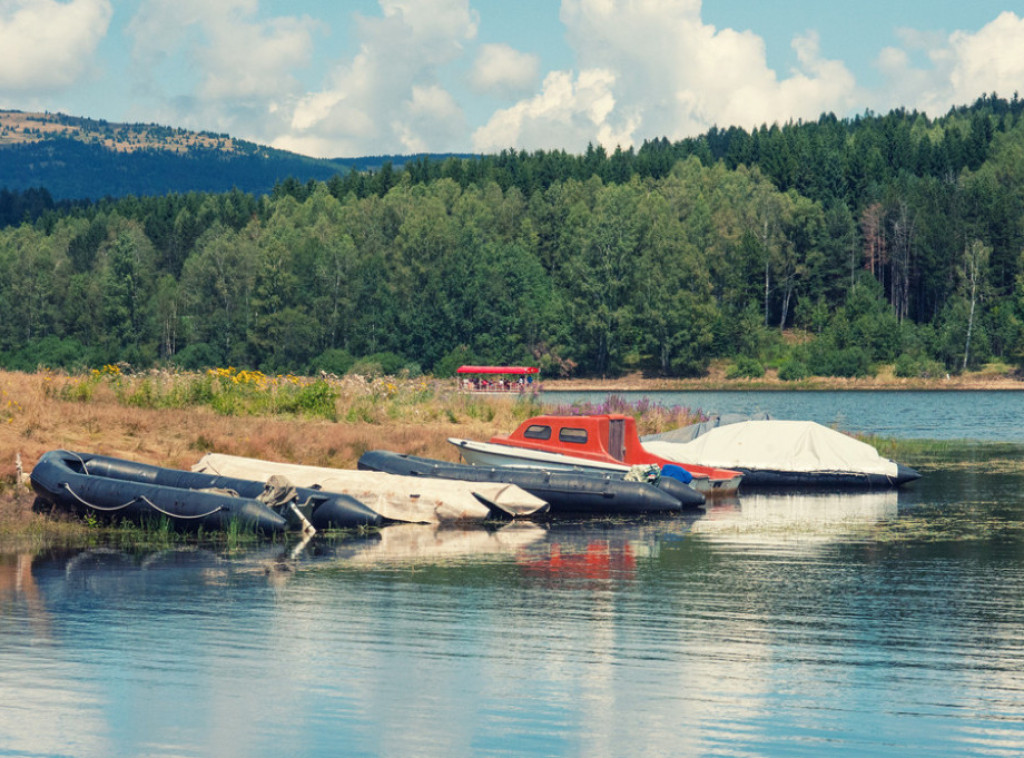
(343, 78)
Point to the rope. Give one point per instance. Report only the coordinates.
(85, 468)
(140, 498)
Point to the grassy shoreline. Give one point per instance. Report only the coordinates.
(996, 376)
(173, 419)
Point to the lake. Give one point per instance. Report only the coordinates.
(870, 624)
(936, 414)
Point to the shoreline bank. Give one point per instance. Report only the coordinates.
(716, 382)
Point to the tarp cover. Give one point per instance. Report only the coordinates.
(693, 431)
(398, 498)
(774, 445)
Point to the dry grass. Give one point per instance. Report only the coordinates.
(409, 416)
(18, 127)
(155, 418)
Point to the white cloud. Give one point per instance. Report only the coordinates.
(960, 67)
(49, 45)
(642, 69)
(504, 71)
(388, 97)
(244, 65)
(664, 72)
(237, 54)
(567, 110)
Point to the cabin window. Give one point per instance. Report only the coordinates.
(537, 432)
(575, 436)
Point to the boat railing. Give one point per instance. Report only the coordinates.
(499, 386)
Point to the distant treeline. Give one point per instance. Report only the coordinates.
(72, 170)
(817, 248)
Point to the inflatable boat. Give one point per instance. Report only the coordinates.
(566, 492)
(115, 489)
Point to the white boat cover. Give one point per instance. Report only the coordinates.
(398, 498)
(775, 445)
(693, 431)
(434, 543)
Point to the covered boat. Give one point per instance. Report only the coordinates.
(777, 453)
(567, 492)
(396, 498)
(115, 489)
(607, 439)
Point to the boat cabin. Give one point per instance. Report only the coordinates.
(611, 438)
(608, 437)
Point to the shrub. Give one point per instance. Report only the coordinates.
(745, 368)
(196, 357)
(906, 366)
(824, 359)
(850, 362)
(378, 364)
(334, 361)
(50, 352)
(317, 399)
(793, 370)
(931, 369)
(456, 357)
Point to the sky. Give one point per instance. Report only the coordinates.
(351, 78)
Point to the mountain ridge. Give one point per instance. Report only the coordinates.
(79, 158)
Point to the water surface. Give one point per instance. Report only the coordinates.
(937, 415)
(872, 624)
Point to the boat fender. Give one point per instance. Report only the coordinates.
(676, 472)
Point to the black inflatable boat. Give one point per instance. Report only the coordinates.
(567, 492)
(116, 489)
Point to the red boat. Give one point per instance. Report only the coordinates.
(610, 439)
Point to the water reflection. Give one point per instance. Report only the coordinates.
(413, 543)
(18, 590)
(770, 625)
(765, 517)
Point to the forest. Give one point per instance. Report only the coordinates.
(822, 248)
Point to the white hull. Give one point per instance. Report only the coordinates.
(494, 454)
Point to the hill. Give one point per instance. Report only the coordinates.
(80, 158)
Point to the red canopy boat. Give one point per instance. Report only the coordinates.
(493, 378)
